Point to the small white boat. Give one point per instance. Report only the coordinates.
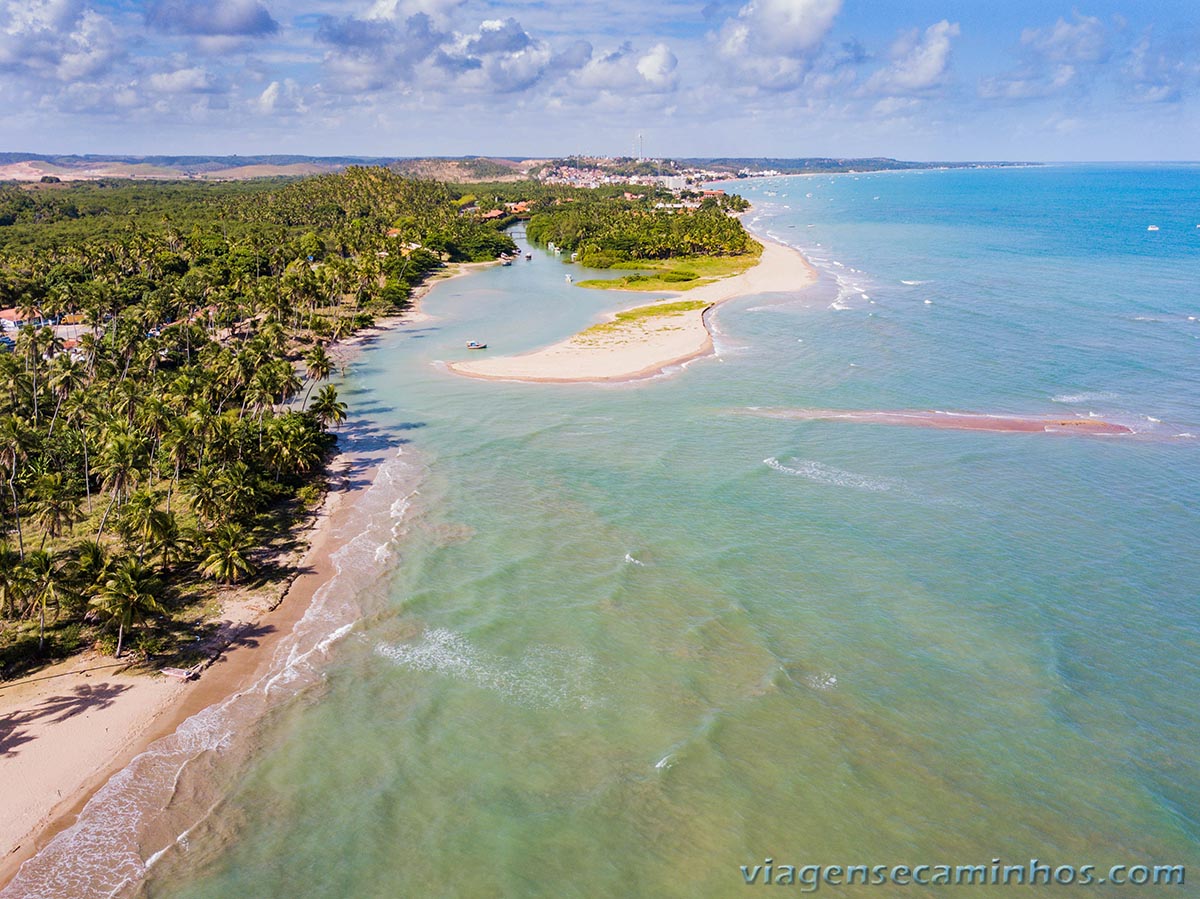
(1152, 228)
(569, 279)
(476, 345)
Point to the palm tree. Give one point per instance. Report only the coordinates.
(168, 541)
(120, 462)
(130, 595)
(66, 376)
(292, 443)
(319, 366)
(53, 507)
(237, 492)
(16, 440)
(227, 547)
(13, 580)
(90, 565)
(327, 407)
(142, 522)
(48, 584)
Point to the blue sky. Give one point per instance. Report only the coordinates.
(924, 79)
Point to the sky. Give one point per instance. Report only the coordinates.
(927, 80)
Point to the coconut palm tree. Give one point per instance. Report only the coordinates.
(120, 463)
(227, 548)
(129, 596)
(48, 586)
(16, 442)
(66, 376)
(53, 508)
(13, 581)
(90, 565)
(319, 366)
(327, 407)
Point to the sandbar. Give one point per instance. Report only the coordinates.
(644, 344)
(957, 421)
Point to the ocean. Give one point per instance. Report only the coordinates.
(636, 640)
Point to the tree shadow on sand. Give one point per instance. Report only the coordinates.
(55, 709)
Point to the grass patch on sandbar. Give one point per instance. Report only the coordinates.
(681, 273)
(641, 316)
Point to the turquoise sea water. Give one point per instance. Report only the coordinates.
(622, 640)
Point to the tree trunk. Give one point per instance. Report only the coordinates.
(120, 638)
(54, 417)
(42, 627)
(104, 518)
(17, 514)
(87, 475)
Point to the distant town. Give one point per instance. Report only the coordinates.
(577, 171)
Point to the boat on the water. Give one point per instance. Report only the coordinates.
(1152, 228)
(476, 345)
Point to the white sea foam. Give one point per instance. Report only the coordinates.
(632, 561)
(914, 283)
(835, 477)
(822, 681)
(542, 677)
(664, 762)
(1086, 396)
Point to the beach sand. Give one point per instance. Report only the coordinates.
(65, 731)
(648, 345)
(60, 732)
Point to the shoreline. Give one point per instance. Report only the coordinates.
(68, 729)
(151, 705)
(616, 351)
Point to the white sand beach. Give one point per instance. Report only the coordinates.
(646, 344)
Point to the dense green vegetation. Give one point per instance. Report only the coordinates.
(605, 232)
(682, 273)
(162, 413)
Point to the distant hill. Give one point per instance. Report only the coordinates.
(35, 166)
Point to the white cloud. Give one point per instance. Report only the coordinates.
(623, 70)
(1066, 56)
(58, 39)
(1084, 40)
(785, 27)
(1154, 73)
(179, 81)
(278, 97)
(658, 67)
(770, 43)
(919, 61)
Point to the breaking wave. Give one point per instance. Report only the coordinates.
(543, 677)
